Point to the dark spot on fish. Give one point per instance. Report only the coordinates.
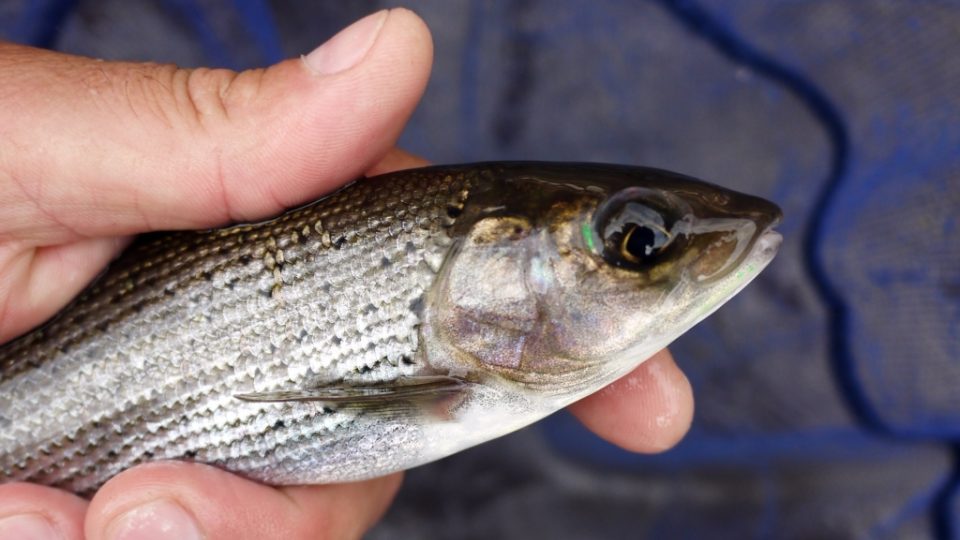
(267, 293)
(385, 262)
(231, 284)
(407, 361)
(339, 242)
(409, 247)
(190, 454)
(112, 454)
(65, 348)
(102, 326)
(148, 454)
(416, 305)
(169, 292)
(364, 369)
(336, 340)
(326, 287)
(302, 335)
(278, 425)
(454, 211)
(327, 410)
(206, 275)
(245, 259)
(369, 308)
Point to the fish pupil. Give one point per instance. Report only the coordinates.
(640, 243)
(636, 234)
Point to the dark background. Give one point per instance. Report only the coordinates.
(828, 392)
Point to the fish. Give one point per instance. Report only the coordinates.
(394, 322)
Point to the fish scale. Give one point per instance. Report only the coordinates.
(169, 294)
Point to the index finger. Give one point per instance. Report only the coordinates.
(190, 501)
(648, 410)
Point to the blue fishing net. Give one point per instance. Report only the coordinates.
(827, 392)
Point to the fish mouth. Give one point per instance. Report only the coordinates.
(761, 253)
(767, 244)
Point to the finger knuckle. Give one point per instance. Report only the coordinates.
(180, 98)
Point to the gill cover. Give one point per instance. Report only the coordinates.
(560, 269)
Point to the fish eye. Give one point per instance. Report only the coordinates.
(636, 229)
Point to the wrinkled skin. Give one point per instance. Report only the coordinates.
(93, 152)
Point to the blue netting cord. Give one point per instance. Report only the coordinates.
(946, 520)
(40, 22)
(192, 13)
(731, 45)
(714, 31)
(259, 23)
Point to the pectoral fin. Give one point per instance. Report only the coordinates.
(402, 389)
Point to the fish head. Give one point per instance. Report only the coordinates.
(564, 279)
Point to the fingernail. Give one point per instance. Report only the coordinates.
(159, 520)
(348, 47)
(27, 527)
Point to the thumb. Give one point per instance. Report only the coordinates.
(92, 151)
(91, 148)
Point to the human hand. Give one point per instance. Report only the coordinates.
(93, 152)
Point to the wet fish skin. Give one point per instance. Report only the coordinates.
(396, 321)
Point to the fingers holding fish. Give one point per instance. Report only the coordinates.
(189, 148)
(182, 147)
(31, 512)
(648, 410)
(188, 501)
